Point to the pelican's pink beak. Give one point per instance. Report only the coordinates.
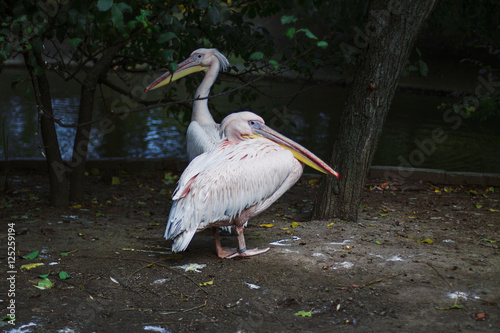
(188, 66)
(299, 152)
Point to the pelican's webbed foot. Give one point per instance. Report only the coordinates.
(247, 253)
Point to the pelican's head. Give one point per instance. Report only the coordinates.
(245, 125)
(199, 60)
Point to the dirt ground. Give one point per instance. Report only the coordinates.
(421, 257)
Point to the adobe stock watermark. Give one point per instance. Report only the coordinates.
(41, 18)
(281, 119)
(11, 273)
(378, 19)
(427, 146)
(254, 321)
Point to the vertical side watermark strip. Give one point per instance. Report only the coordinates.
(11, 273)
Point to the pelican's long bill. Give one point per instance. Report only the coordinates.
(300, 153)
(185, 68)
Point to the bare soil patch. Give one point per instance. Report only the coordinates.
(420, 258)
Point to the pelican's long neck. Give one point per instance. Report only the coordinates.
(201, 113)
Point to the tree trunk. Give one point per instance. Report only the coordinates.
(386, 41)
(58, 181)
(80, 146)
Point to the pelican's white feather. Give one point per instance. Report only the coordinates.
(217, 186)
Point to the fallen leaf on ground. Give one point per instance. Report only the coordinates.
(487, 240)
(304, 313)
(427, 240)
(44, 284)
(64, 254)
(32, 255)
(480, 316)
(206, 283)
(453, 307)
(30, 266)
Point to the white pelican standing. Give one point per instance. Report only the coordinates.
(203, 132)
(248, 170)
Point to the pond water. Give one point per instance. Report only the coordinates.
(415, 134)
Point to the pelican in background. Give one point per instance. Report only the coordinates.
(248, 170)
(203, 132)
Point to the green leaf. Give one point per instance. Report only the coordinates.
(256, 56)
(492, 189)
(487, 240)
(117, 17)
(308, 33)
(44, 276)
(63, 254)
(63, 275)
(274, 63)
(104, 5)
(290, 32)
(453, 307)
(322, 44)
(32, 255)
(213, 15)
(8, 318)
(172, 66)
(478, 206)
(165, 37)
(288, 19)
(99, 214)
(45, 284)
(15, 81)
(166, 55)
(379, 243)
(422, 67)
(73, 42)
(131, 24)
(203, 4)
(304, 313)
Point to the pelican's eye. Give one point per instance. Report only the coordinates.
(254, 124)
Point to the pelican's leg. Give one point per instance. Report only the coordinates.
(221, 252)
(242, 248)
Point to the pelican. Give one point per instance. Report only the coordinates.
(249, 169)
(203, 132)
